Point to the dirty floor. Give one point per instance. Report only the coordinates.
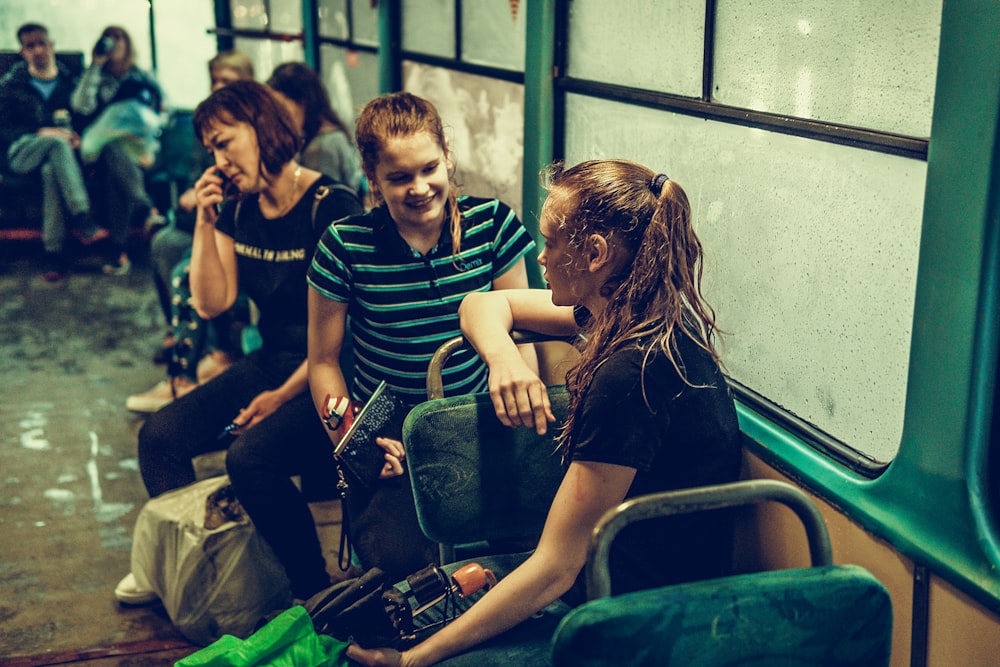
(70, 490)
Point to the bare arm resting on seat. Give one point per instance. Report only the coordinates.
(518, 394)
(587, 491)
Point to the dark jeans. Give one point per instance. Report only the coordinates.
(260, 462)
(121, 186)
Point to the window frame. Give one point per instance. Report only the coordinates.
(704, 108)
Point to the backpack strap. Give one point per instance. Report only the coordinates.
(321, 193)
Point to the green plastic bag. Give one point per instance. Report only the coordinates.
(288, 640)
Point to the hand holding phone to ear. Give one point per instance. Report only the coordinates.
(210, 193)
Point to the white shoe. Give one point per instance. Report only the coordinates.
(128, 592)
(212, 364)
(163, 393)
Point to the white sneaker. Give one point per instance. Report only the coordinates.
(212, 364)
(128, 592)
(163, 393)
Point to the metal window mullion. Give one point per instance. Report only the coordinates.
(349, 10)
(708, 56)
(512, 76)
(882, 142)
(458, 30)
(310, 33)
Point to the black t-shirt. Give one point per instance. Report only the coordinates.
(272, 257)
(675, 436)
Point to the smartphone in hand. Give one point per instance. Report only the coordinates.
(225, 190)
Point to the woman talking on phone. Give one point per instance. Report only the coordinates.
(261, 242)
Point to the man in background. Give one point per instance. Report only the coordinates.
(37, 136)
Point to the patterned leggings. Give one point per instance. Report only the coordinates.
(194, 335)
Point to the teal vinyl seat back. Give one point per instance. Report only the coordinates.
(823, 615)
(475, 479)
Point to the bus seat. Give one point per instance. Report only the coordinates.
(822, 615)
(479, 486)
(169, 176)
(476, 480)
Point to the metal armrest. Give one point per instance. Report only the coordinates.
(697, 500)
(435, 382)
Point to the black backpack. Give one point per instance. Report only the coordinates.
(367, 609)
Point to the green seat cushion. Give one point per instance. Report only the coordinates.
(835, 615)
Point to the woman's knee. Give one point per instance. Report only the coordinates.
(252, 460)
(154, 438)
(241, 462)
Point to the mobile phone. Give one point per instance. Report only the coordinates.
(225, 189)
(229, 429)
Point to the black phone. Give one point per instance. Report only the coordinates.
(225, 190)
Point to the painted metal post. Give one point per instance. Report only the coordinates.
(223, 22)
(310, 33)
(538, 114)
(390, 19)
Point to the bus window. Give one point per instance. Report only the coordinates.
(812, 228)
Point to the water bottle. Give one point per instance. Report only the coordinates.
(104, 46)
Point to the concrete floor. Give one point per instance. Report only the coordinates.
(70, 490)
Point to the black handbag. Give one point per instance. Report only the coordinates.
(373, 612)
(379, 516)
(367, 609)
(357, 452)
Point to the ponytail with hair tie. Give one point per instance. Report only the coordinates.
(656, 184)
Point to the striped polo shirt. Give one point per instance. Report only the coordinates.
(404, 305)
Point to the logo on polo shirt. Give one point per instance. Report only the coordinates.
(468, 266)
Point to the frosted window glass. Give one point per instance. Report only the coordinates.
(365, 22)
(650, 44)
(249, 14)
(866, 64)
(331, 18)
(493, 35)
(429, 27)
(184, 47)
(267, 54)
(483, 121)
(351, 79)
(286, 16)
(811, 256)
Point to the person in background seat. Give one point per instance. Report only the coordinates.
(37, 136)
(194, 350)
(326, 141)
(125, 102)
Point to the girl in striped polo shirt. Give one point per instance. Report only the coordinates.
(399, 273)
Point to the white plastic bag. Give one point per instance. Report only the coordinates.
(132, 123)
(212, 581)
